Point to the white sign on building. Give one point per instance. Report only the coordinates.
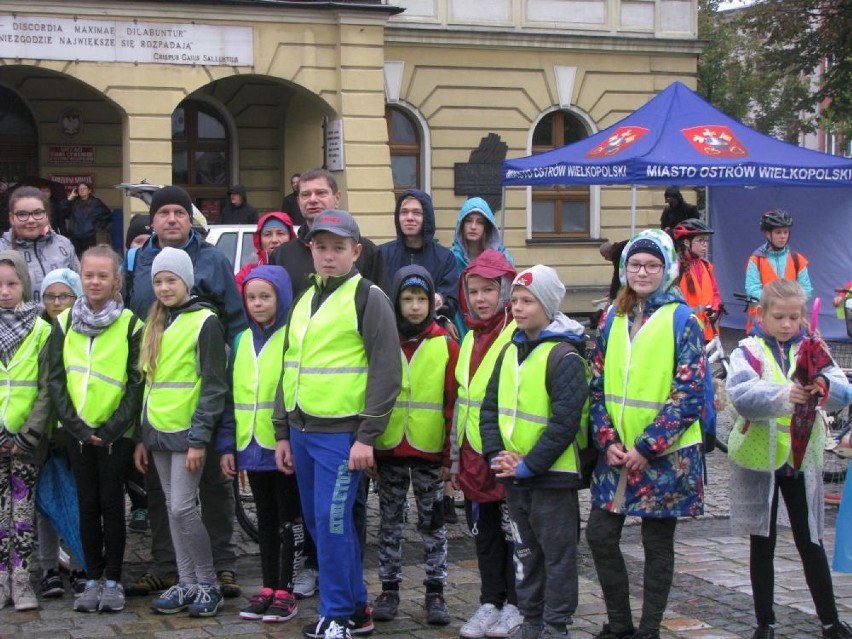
(334, 145)
(29, 37)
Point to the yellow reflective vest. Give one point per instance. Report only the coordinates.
(171, 397)
(418, 414)
(638, 377)
(325, 364)
(472, 388)
(19, 378)
(256, 377)
(96, 368)
(750, 443)
(523, 406)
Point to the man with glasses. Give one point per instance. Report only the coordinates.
(31, 235)
(171, 223)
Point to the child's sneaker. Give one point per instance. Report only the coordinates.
(51, 584)
(227, 584)
(510, 618)
(283, 608)
(138, 520)
(175, 599)
(485, 617)
(207, 601)
(90, 598)
(386, 605)
(306, 582)
(5, 589)
(361, 623)
(78, 582)
(437, 612)
(338, 630)
(112, 597)
(23, 595)
(837, 630)
(148, 584)
(554, 632)
(257, 605)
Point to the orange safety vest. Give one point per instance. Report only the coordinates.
(795, 263)
(703, 295)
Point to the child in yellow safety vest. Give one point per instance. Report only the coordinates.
(97, 391)
(532, 426)
(183, 361)
(414, 450)
(761, 388)
(246, 441)
(25, 416)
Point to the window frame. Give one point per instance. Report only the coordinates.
(190, 143)
(405, 149)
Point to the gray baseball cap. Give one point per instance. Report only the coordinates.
(336, 222)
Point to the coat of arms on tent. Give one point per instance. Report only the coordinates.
(715, 141)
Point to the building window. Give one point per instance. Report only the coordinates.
(200, 151)
(561, 211)
(405, 150)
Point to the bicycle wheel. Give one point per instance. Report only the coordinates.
(244, 505)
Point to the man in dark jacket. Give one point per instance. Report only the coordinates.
(290, 204)
(415, 243)
(676, 210)
(318, 192)
(171, 222)
(238, 210)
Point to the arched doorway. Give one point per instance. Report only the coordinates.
(18, 139)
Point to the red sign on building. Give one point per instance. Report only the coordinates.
(71, 155)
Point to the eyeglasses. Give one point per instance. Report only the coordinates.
(23, 216)
(651, 268)
(702, 240)
(58, 297)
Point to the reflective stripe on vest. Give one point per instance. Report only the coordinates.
(472, 389)
(325, 365)
(96, 368)
(750, 441)
(638, 377)
(256, 378)
(523, 404)
(19, 378)
(418, 414)
(172, 396)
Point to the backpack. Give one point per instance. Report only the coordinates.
(707, 419)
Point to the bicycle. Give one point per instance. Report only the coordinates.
(244, 505)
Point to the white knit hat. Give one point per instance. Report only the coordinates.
(174, 261)
(543, 282)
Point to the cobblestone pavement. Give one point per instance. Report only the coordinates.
(710, 599)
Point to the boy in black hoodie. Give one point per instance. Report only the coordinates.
(531, 439)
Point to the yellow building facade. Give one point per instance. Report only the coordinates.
(387, 94)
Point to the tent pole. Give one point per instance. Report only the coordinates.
(632, 210)
(502, 215)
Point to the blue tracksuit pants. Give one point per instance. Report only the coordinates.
(327, 489)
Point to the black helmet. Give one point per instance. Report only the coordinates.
(690, 228)
(775, 219)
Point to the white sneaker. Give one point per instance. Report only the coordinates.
(510, 618)
(482, 620)
(305, 583)
(23, 595)
(5, 588)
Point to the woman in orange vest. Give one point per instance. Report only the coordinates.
(697, 281)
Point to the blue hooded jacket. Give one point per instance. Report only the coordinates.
(254, 457)
(436, 259)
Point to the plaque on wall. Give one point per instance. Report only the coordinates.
(482, 175)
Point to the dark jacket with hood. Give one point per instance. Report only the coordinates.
(245, 213)
(475, 476)
(214, 281)
(436, 259)
(672, 216)
(210, 364)
(255, 457)
(263, 256)
(86, 217)
(410, 338)
(384, 370)
(296, 258)
(568, 389)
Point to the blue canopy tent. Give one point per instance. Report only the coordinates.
(678, 138)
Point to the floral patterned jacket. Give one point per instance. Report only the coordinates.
(672, 484)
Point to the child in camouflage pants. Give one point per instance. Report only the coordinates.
(415, 447)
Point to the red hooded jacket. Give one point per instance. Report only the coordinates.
(262, 257)
(475, 476)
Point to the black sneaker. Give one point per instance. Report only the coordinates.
(257, 605)
(228, 584)
(647, 634)
(386, 605)
(51, 585)
(437, 612)
(283, 608)
(837, 630)
(767, 632)
(450, 515)
(78, 582)
(607, 633)
(361, 623)
(138, 520)
(148, 584)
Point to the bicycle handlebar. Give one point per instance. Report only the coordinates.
(746, 298)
